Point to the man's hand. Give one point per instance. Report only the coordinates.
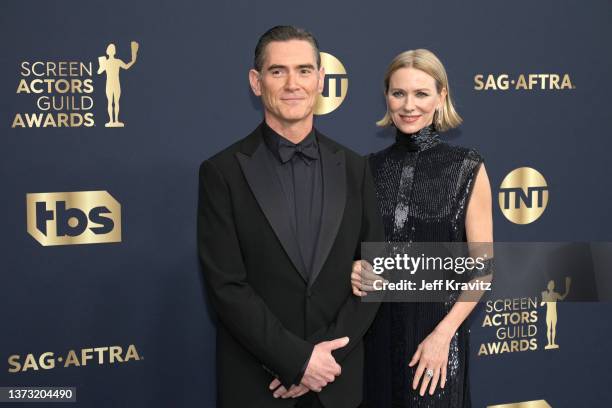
(322, 368)
(281, 392)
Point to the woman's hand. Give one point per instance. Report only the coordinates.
(363, 277)
(432, 357)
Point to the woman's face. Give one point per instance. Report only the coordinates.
(412, 99)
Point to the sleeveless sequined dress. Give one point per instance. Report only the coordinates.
(422, 186)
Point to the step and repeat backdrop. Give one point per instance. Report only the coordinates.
(101, 288)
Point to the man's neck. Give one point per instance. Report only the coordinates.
(295, 132)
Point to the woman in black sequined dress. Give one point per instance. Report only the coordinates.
(428, 191)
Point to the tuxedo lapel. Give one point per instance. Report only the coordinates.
(266, 188)
(333, 169)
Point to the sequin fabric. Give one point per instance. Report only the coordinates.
(423, 187)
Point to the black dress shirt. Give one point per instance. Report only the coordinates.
(298, 167)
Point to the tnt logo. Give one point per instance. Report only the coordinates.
(523, 195)
(335, 86)
(81, 217)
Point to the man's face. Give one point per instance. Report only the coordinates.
(289, 81)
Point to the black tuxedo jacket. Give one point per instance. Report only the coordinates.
(270, 314)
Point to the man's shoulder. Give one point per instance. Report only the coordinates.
(222, 156)
(227, 156)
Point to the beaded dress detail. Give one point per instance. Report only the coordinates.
(423, 186)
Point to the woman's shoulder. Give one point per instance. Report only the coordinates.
(461, 153)
(445, 151)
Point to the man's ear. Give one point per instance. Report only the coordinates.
(321, 79)
(254, 81)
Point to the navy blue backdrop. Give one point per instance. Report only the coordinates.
(187, 97)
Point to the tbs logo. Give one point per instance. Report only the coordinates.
(80, 217)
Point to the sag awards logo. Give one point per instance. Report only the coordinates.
(523, 195)
(63, 91)
(73, 358)
(335, 86)
(504, 82)
(516, 322)
(80, 217)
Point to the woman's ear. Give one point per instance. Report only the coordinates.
(443, 95)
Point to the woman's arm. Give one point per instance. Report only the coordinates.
(432, 353)
(479, 229)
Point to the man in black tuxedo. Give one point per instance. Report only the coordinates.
(281, 217)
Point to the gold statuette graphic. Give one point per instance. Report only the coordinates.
(76, 217)
(523, 195)
(335, 85)
(550, 298)
(112, 66)
(524, 404)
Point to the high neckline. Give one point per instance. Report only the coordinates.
(425, 138)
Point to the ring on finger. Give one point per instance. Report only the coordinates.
(429, 373)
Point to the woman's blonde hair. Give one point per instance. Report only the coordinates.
(424, 60)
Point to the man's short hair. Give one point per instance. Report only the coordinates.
(283, 33)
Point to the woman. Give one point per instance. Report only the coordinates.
(427, 191)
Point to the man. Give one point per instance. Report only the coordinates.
(281, 217)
